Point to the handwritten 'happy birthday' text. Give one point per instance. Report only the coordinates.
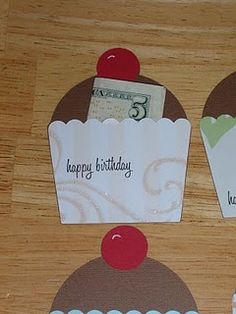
(86, 170)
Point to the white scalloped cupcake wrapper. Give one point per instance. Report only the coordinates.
(120, 172)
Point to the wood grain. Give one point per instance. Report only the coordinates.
(46, 47)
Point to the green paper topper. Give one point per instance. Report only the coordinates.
(214, 129)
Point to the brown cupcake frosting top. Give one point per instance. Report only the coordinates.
(222, 100)
(75, 103)
(150, 286)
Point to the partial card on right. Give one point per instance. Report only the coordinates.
(218, 130)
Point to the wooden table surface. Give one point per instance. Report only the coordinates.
(46, 47)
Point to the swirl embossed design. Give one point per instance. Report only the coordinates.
(85, 192)
(175, 185)
(56, 148)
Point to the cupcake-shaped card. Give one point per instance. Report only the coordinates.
(218, 129)
(124, 281)
(119, 145)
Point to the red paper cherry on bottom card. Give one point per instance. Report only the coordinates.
(118, 63)
(124, 247)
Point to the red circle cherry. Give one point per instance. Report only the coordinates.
(124, 247)
(118, 63)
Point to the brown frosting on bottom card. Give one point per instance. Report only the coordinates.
(97, 286)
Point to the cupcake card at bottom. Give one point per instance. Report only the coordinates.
(130, 282)
(119, 151)
(218, 129)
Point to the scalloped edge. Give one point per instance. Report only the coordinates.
(129, 312)
(224, 115)
(112, 121)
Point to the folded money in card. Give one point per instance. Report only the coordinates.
(119, 146)
(120, 100)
